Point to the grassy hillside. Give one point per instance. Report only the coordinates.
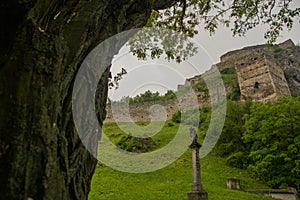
(172, 182)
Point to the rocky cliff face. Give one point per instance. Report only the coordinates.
(289, 60)
(262, 73)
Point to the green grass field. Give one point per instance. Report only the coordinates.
(172, 182)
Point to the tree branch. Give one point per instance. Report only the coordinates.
(183, 4)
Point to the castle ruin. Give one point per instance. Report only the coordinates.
(259, 75)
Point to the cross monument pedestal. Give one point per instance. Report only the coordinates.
(197, 192)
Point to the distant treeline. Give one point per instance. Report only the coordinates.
(148, 96)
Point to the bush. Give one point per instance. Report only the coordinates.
(170, 124)
(134, 144)
(176, 117)
(235, 94)
(228, 70)
(230, 140)
(238, 160)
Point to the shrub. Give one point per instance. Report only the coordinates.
(134, 144)
(170, 124)
(176, 117)
(238, 160)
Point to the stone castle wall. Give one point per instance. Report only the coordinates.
(261, 79)
(260, 76)
(277, 75)
(141, 111)
(157, 110)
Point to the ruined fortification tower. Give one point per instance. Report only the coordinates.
(259, 75)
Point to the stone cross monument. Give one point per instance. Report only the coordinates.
(197, 192)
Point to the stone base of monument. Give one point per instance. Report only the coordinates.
(197, 195)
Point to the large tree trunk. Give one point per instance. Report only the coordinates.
(42, 45)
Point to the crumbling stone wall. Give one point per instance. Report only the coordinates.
(261, 79)
(260, 75)
(141, 112)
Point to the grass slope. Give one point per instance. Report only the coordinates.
(172, 182)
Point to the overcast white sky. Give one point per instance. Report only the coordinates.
(160, 75)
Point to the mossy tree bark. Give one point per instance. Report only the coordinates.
(42, 45)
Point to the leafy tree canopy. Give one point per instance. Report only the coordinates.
(272, 133)
(172, 27)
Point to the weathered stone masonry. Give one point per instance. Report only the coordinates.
(259, 74)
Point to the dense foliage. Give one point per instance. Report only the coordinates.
(230, 140)
(272, 135)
